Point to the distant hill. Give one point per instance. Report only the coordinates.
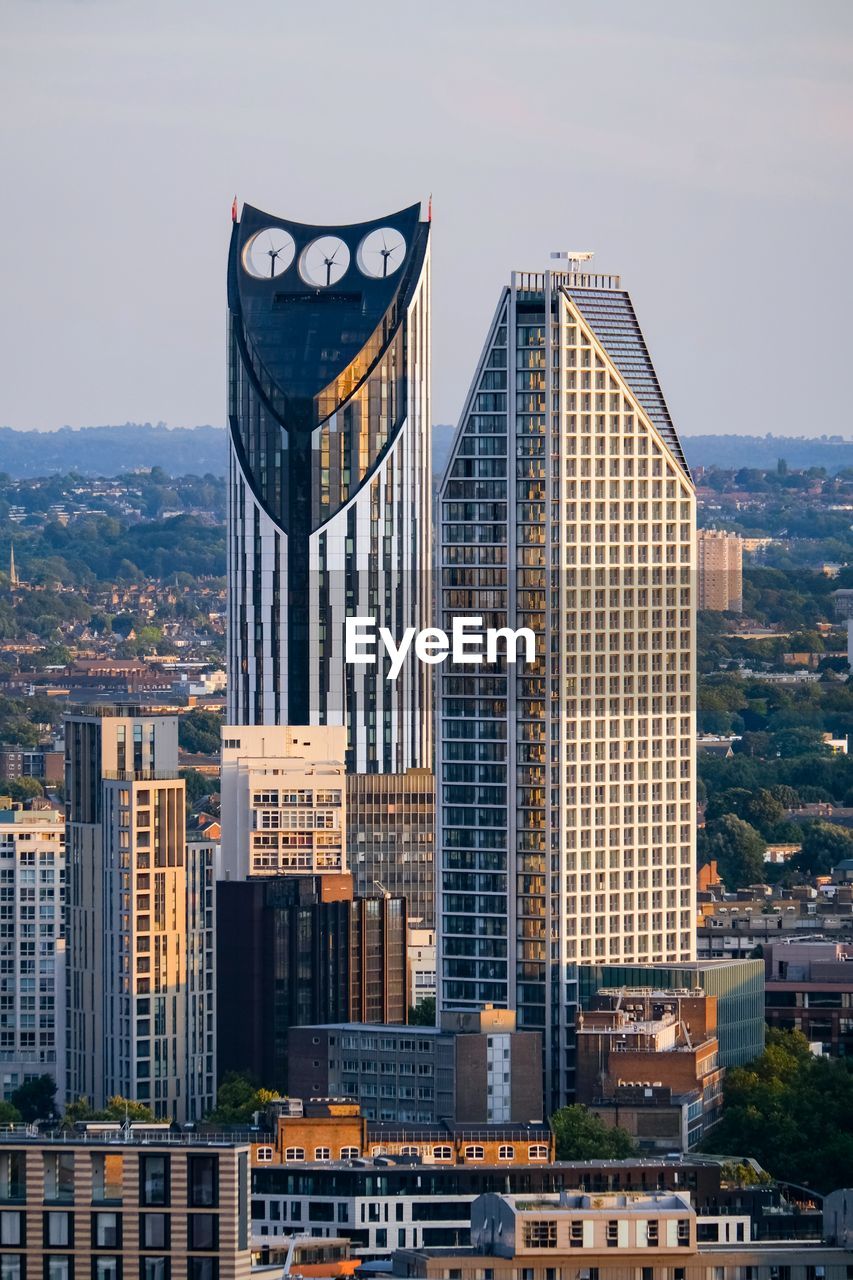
(108, 451)
(832, 452)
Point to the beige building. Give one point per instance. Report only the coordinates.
(720, 558)
(139, 961)
(283, 792)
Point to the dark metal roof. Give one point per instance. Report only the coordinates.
(610, 314)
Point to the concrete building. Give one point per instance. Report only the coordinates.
(648, 1061)
(298, 950)
(809, 988)
(720, 563)
(139, 976)
(108, 1204)
(738, 987)
(283, 801)
(475, 1068)
(567, 822)
(420, 959)
(41, 763)
(652, 1235)
(32, 891)
(731, 926)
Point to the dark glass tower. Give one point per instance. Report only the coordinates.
(329, 479)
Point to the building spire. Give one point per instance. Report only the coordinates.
(13, 572)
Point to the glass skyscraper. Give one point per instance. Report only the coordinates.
(330, 476)
(567, 787)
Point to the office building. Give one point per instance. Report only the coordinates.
(329, 486)
(32, 889)
(720, 562)
(567, 821)
(475, 1068)
(648, 1061)
(297, 950)
(139, 977)
(420, 955)
(102, 1203)
(391, 837)
(283, 801)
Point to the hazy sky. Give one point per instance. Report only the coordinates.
(704, 150)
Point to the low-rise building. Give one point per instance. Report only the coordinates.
(652, 1235)
(475, 1068)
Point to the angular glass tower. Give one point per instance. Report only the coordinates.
(329, 478)
(566, 825)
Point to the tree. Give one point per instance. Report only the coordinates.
(238, 1098)
(35, 1099)
(824, 846)
(581, 1135)
(22, 789)
(738, 850)
(197, 785)
(423, 1014)
(198, 732)
(117, 1108)
(9, 1114)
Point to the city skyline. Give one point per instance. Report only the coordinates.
(132, 178)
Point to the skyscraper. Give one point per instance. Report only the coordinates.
(566, 827)
(138, 919)
(329, 478)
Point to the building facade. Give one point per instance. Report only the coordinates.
(809, 988)
(391, 837)
(283, 801)
(720, 570)
(138, 920)
(567, 822)
(329, 476)
(299, 950)
(113, 1205)
(32, 890)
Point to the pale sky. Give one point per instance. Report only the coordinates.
(703, 150)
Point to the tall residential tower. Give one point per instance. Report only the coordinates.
(329, 478)
(566, 827)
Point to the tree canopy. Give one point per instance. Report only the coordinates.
(582, 1135)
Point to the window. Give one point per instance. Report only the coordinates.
(106, 1268)
(154, 1230)
(540, 1233)
(11, 1265)
(59, 1175)
(506, 1153)
(154, 1269)
(684, 1231)
(294, 1153)
(322, 1153)
(203, 1181)
(474, 1152)
(12, 1176)
(537, 1151)
(404, 1151)
(576, 1235)
(653, 1231)
(264, 1155)
(154, 1179)
(203, 1231)
(60, 1266)
(612, 1233)
(202, 1269)
(58, 1230)
(442, 1153)
(349, 1153)
(11, 1227)
(106, 1232)
(107, 1171)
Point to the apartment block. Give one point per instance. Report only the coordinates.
(116, 1206)
(139, 915)
(720, 564)
(32, 890)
